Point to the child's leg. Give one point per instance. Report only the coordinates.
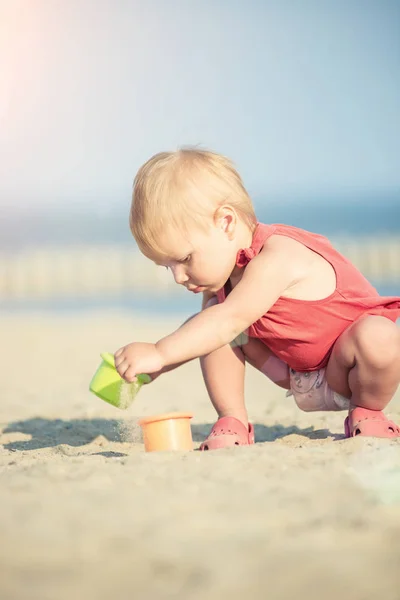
(365, 363)
(223, 372)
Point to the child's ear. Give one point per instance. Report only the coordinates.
(225, 218)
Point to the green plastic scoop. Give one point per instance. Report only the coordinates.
(108, 385)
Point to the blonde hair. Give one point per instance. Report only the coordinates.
(182, 188)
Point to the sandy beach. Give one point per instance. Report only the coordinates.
(87, 514)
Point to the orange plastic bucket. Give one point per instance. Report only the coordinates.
(167, 432)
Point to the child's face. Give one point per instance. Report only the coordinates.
(201, 260)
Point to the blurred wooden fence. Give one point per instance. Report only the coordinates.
(89, 271)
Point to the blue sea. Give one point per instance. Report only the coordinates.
(374, 215)
(106, 222)
(184, 304)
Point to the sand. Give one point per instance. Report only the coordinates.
(86, 513)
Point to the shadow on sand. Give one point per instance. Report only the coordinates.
(47, 433)
(265, 433)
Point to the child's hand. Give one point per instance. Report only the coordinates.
(136, 358)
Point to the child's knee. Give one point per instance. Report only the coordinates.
(377, 341)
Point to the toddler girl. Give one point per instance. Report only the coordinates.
(275, 296)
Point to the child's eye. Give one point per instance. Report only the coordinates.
(186, 259)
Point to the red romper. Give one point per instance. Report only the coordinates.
(303, 332)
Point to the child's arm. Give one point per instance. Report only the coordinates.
(139, 357)
(264, 280)
(266, 277)
(206, 298)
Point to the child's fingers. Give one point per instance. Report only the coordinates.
(130, 375)
(119, 360)
(122, 367)
(118, 352)
(126, 371)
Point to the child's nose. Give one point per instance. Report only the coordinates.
(180, 275)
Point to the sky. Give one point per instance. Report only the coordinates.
(304, 96)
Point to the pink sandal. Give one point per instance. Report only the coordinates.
(228, 432)
(369, 423)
